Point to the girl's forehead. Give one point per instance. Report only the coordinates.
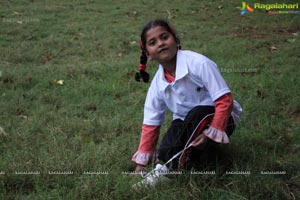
(155, 31)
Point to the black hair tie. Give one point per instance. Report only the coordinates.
(142, 75)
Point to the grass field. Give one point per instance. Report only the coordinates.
(69, 103)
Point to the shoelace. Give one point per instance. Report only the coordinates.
(152, 172)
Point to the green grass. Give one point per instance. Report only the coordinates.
(92, 122)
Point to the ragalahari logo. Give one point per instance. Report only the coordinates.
(271, 8)
(246, 8)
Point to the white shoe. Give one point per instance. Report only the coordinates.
(152, 177)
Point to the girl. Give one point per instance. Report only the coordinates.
(190, 86)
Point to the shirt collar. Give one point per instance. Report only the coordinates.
(181, 70)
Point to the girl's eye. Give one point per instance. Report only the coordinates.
(165, 36)
(151, 43)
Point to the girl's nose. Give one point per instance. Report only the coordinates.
(160, 43)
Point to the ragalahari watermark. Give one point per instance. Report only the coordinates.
(271, 8)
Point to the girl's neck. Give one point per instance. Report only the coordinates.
(170, 66)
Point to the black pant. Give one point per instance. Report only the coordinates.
(180, 131)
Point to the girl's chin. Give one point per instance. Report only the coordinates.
(166, 59)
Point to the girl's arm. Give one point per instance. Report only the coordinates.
(223, 108)
(154, 111)
(147, 147)
(216, 131)
(220, 93)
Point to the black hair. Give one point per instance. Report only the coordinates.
(143, 58)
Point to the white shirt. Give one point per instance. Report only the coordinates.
(198, 82)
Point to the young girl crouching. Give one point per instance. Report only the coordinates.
(191, 87)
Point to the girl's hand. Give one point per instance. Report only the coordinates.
(199, 142)
(137, 170)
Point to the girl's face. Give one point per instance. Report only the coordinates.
(161, 45)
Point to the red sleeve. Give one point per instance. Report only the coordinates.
(149, 138)
(223, 108)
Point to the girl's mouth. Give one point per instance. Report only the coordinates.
(162, 50)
